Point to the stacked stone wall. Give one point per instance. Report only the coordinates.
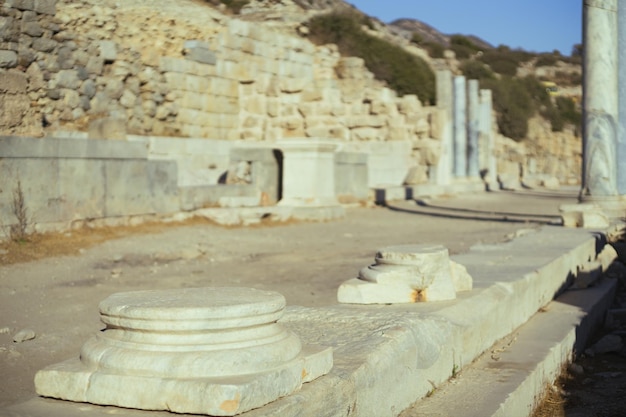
(215, 77)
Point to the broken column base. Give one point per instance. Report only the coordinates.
(212, 351)
(407, 274)
(585, 215)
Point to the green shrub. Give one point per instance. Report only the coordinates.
(465, 42)
(567, 109)
(504, 60)
(416, 38)
(514, 104)
(402, 71)
(234, 6)
(476, 70)
(547, 60)
(434, 49)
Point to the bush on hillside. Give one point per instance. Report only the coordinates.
(434, 49)
(514, 103)
(402, 71)
(234, 6)
(476, 70)
(547, 60)
(504, 60)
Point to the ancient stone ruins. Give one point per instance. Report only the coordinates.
(165, 121)
(107, 124)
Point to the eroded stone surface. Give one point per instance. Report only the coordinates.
(215, 351)
(407, 274)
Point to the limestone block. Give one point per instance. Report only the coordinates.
(366, 134)
(211, 351)
(108, 50)
(291, 85)
(13, 82)
(199, 51)
(551, 183)
(66, 79)
(335, 132)
(365, 121)
(429, 149)
(418, 174)
(461, 279)
(108, 128)
(405, 274)
(586, 215)
(224, 87)
(409, 104)
(398, 133)
(45, 7)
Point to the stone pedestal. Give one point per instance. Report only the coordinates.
(407, 274)
(308, 173)
(215, 351)
(460, 127)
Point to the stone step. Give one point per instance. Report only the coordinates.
(510, 377)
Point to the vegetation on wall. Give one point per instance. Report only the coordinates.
(402, 71)
(234, 6)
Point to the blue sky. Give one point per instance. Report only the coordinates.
(534, 25)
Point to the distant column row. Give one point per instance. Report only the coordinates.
(468, 147)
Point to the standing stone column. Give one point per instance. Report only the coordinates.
(600, 99)
(487, 157)
(460, 127)
(473, 113)
(445, 95)
(621, 138)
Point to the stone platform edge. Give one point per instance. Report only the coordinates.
(387, 357)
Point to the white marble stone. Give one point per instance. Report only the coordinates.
(308, 172)
(473, 128)
(444, 104)
(215, 351)
(600, 101)
(586, 215)
(460, 127)
(486, 143)
(621, 138)
(406, 274)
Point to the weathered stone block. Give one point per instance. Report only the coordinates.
(44, 44)
(13, 82)
(199, 51)
(8, 59)
(67, 79)
(402, 274)
(108, 50)
(108, 128)
(32, 29)
(45, 7)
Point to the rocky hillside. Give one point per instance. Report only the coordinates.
(429, 34)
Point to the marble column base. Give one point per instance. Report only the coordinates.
(614, 207)
(407, 274)
(212, 351)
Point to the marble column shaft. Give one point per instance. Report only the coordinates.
(487, 160)
(621, 139)
(473, 120)
(600, 98)
(460, 127)
(445, 96)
